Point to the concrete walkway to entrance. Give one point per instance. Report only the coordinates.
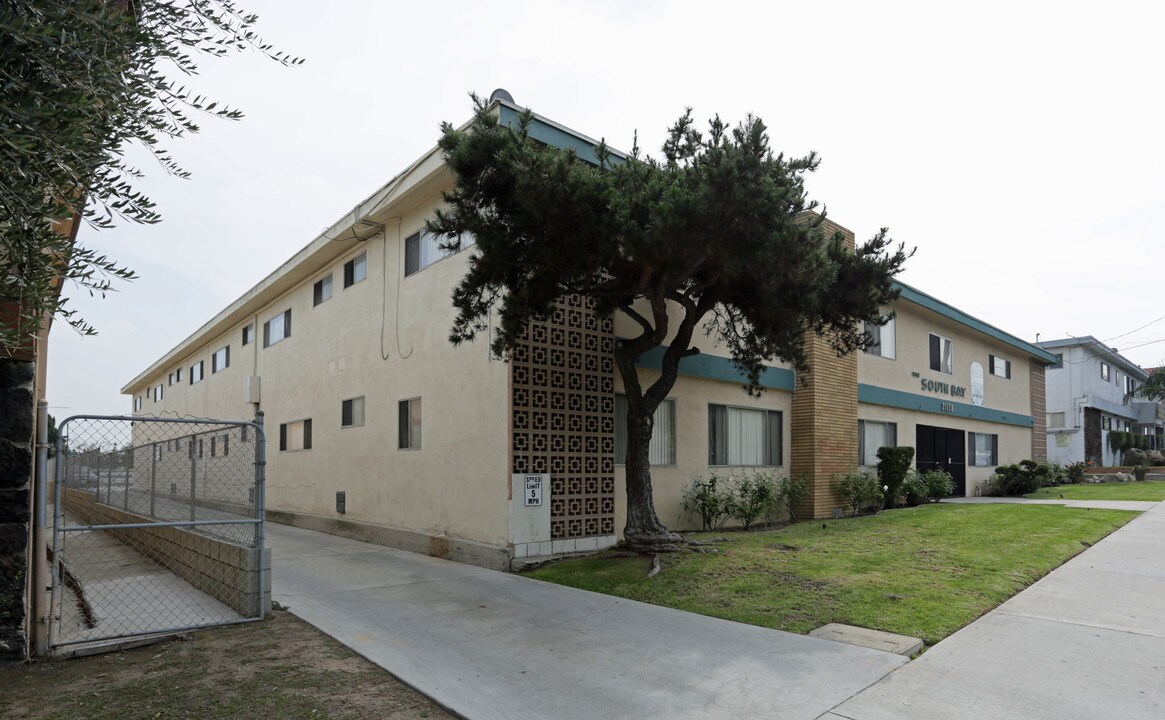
(1136, 505)
(491, 645)
(1086, 641)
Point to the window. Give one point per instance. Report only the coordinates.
(1106, 423)
(941, 354)
(743, 436)
(137, 403)
(322, 290)
(226, 445)
(243, 433)
(158, 393)
(982, 449)
(1055, 419)
(423, 248)
(178, 375)
(409, 428)
(883, 339)
(213, 447)
(355, 270)
(248, 334)
(1104, 371)
(147, 393)
(873, 435)
(196, 372)
(295, 435)
(662, 450)
(221, 360)
(352, 413)
(277, 328)
(1130, 385)
(170, 379)
(999, 366)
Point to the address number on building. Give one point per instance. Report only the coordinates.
(533, 491)
(947, 407)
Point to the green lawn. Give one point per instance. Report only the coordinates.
(1150, 490)
(924, 572)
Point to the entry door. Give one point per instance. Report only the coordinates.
(943, 448)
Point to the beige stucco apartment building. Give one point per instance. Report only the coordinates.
(344, 349)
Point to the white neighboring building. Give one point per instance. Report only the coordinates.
(1089, 395)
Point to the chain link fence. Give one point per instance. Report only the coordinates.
(158, 526)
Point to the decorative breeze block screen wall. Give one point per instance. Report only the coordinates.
(563, 403)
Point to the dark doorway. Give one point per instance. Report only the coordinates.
(943, 448)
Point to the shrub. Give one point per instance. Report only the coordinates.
(793, 492)
(712, 503)
(913, 490)
(893, 464)
(754, 496)
(1008, 480)
(858, 489)
(938, 484)
(1140, 471)
(1045, 473)
(1074, 472)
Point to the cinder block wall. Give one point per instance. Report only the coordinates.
(17, 410)
(226, 571)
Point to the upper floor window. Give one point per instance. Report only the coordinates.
(883, 345)
(743, 436)
(277, 328)
(196, 372)
(662, 450)
(158, 393)
(1131, 385)
(942, 355)
(409, 424)
(1104, 371)
(248, 334)
(178, 375)
(170, 379)
(322, 290)
(221, 360)
(137, 403)
(355, 270)
(423, 248)
(1000, 367)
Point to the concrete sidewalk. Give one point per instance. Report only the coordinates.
(491, 645)
(1135, 505)
(1086, 641)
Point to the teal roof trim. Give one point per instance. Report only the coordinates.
(875, 395)
(934, 304)
(714, 367)
(558, 136)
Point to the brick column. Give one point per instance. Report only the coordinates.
(1039, 412)
(825, 418)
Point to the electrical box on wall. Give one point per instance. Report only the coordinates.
(251, 389)
(341, 502)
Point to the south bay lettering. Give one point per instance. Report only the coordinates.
(943, 388)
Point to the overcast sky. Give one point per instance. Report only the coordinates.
(1019, 146)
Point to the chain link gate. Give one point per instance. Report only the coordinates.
(157, 527)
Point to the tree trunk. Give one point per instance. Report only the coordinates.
(644, 532)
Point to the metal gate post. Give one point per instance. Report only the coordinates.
(153, 477)
(193, 476)
(260, 502)
(128, 457)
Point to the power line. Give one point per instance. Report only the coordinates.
(1130, 332)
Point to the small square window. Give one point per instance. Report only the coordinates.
(941, 354)
(221, 360)
(295, 436)
(355, 270)
(277, 328)
(409, 428)
(884, 340)
(999, 366)
(352, 412)
(322, 290)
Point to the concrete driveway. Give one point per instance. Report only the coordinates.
(491, 645)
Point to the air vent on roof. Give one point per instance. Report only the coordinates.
(501, 94)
